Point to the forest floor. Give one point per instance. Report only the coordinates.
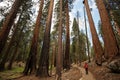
(72, 74)
(85, 76)
(75, 73)
(16, 74)
(102, 72)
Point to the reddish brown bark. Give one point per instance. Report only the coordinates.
(8, 23)
(86, 36)
(67, 47)
(96, 43)
(59, 54)
(44, 58)
(110, 43)
(31, 62)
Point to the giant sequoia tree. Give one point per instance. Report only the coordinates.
(110, 44)
(31, 62)
(59, 54)
(7, 24)
(96, 43)
(87, 43)
(67, 50)
(44, 57)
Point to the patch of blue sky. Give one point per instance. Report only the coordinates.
(78, 6)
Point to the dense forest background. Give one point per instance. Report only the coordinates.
(37, 36)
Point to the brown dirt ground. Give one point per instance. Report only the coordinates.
(75, 73)
(72, 74)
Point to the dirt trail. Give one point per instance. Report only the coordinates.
(84, 76)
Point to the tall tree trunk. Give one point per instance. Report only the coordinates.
(59, 54)
(31, 61)
(96, 43)
(86, 36)
(8, 23)
(110, 43)
(44, 58)
(67, 50)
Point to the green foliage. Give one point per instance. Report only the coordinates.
(16, 70)
(70, 4)
(10, 74)
(116, 14)
(78, 46)
(23, 32)
(45, 12)
(74, 45)
(92, 52)
(83, 45)
(75, 28)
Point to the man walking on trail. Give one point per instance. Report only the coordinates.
(86, 67)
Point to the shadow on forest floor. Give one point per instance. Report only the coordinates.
(10, 74)
(16, 74)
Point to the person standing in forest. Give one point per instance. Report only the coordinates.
(86, 67)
